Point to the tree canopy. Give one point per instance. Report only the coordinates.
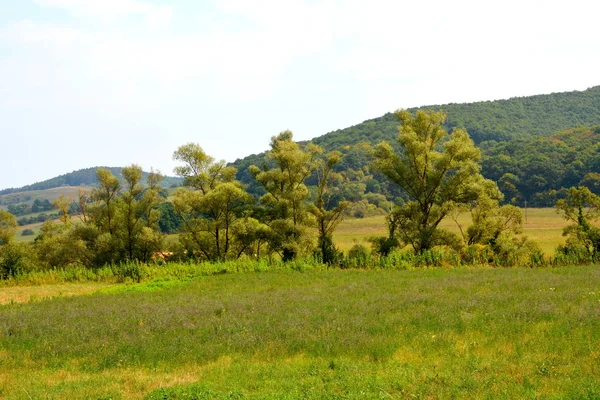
(437, 173)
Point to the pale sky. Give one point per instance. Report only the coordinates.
(114, 82)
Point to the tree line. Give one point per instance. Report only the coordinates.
(433, 174)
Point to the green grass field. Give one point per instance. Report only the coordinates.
(543, 225)
(353, 334)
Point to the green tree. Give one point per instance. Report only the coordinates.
(327, 215)
(63, 203)
(212, 207)
(489, 221)
(8, 227)
(199, 170)
(283, 178)
(582, 208)
(106, 195)
(137, 211)
(437, 173)
(14, 257)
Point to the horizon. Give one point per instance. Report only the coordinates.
(87, 83)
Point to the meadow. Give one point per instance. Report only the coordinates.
(542, 225)
(332, 334)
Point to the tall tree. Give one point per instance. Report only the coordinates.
(327, 214)
(213, 205)
(138, 211)
(106, 195)
(437, 172)
(285, 200)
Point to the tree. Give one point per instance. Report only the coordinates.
(212, 207)
(138, 212)
(14, 257)
(327, 215)
(489, 221)
(106, 195)
(8, 227)
(437, 173)
(285, 201)
(63, 203)
(200, 170)
(581, 207)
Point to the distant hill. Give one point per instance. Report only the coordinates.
(496, 121)
(499, 120)
(83, 177)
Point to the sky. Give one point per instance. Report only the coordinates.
(85, 83)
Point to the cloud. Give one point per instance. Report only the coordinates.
(112, 10)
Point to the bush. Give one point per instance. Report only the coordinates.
(358, 256)
(521, 252)
(477, 254)
(14, 260)
(573, 253)
(27, 232)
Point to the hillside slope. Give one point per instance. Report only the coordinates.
(488, 121)
(82, 177)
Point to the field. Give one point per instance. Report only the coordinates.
(543, 225)
(47, 194)
(379, 334)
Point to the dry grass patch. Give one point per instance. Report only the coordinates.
(24, 294)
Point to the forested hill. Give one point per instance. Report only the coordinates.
(498, 120)
(85, 177)
(490, 124)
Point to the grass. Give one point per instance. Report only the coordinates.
(24, 294)
(353, 334)
(543, 225)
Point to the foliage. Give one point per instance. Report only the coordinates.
(582, 208)
(540, 169)
(170, 221)
(15, 259)
(213, 209)
(284, 204)
(327, 215)
(8, 227)
(115, 225)
(437, 172)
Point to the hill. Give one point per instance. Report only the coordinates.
(490, 124)
(82, 177)
(499, 120)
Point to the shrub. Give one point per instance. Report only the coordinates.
(477, 254)
(27, 232)
(15, 260)
(358, 256)
(512, 251)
